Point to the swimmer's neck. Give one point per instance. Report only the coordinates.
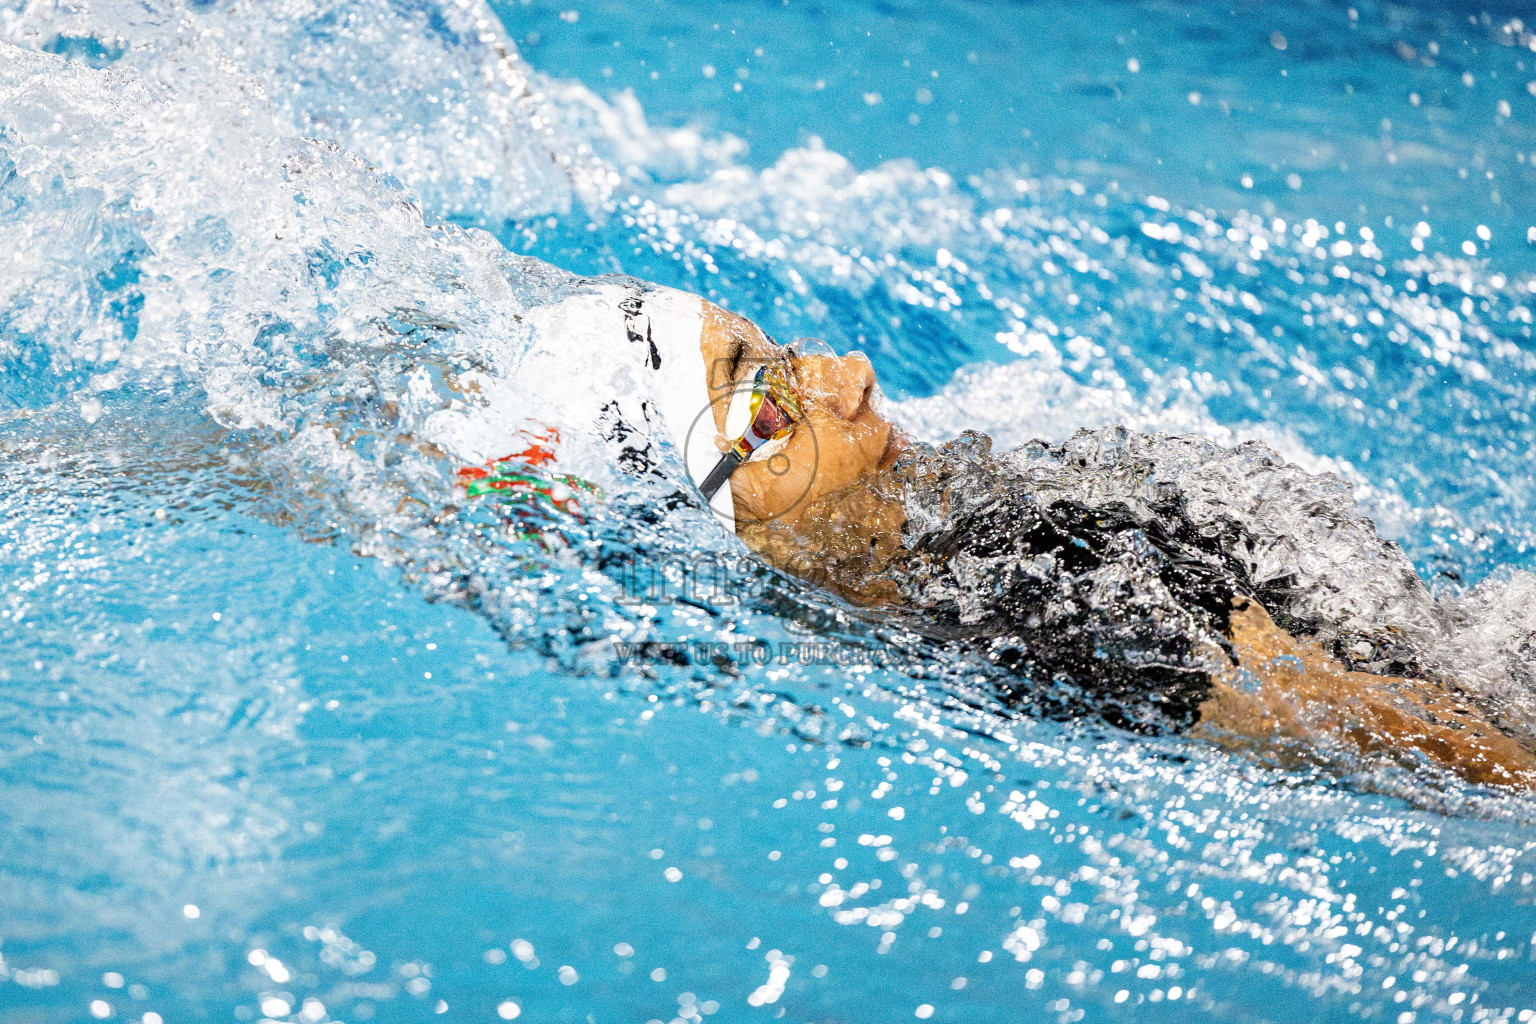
(849, 541)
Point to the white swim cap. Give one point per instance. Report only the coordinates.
(680, 385)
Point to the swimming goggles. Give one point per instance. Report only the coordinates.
(773, 413)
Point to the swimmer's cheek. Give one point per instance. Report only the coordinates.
(825, 458)
(777, 488)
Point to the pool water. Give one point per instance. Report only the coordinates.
(278, 741)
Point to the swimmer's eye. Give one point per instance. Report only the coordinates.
(773, 409)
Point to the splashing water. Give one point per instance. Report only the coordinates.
(291, 733)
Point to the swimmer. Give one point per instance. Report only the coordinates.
(1129, 608)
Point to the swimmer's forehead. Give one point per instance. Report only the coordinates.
(734, 347)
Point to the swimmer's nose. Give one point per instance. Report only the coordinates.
(852, 382)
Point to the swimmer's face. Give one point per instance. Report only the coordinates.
(840, 437)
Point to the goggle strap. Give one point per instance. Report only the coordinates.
(728, 464)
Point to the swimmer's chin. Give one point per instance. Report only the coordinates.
(895, 444)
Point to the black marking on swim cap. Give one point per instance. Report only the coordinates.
(631, 307)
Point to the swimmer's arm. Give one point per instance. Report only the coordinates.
(1302, 692)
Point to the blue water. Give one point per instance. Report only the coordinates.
(277, 743)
